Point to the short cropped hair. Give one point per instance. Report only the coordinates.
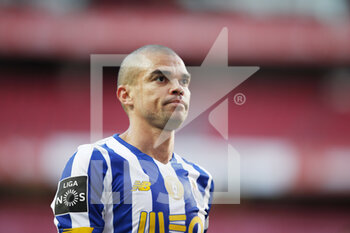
(133, 64)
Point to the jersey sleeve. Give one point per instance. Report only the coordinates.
(211, 192)
(77, 205)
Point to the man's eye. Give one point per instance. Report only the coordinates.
(184, 81)
(160, 79)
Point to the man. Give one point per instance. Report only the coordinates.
(134, 182)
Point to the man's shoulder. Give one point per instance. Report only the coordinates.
(88, 149)
(194, 165)
(107, 149)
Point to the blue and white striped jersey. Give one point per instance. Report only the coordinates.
(112, 187)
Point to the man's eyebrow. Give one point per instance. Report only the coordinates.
(167, 73)
(160, 72)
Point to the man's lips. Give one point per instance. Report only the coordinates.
(175, 101)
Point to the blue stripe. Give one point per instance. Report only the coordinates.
(202, 181)
(122, 196)
(96, 172)
(190, 202)
(64, 221)
(210, 201)
(67, 171)
(160, 197)
(211, 198)
(203, 178)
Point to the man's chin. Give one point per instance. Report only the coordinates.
(174, 122)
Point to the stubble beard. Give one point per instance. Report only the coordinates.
(167, 121)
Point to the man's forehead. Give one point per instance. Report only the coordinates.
(159, 62)
(169, 63)
(165, 59)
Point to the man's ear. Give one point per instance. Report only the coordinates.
(124, 95)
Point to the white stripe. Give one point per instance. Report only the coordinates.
(53, 209)
(56, 223)
(107, 198)
(79, 168)
(141, 200)
(193, 176)
(206, 199)
(207, 189)
(207, 195)
(175, 206)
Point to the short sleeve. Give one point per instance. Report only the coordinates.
(211, 192)
(77, 204)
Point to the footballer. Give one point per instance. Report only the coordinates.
(134, 182)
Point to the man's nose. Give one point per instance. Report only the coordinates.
(176, 88)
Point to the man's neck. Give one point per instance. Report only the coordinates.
(147, 138)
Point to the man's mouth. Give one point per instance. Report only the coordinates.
(175, 102)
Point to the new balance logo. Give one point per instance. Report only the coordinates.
(141, 186)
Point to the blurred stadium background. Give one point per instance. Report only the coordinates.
(292, 133)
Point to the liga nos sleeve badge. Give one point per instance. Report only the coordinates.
(71, 195)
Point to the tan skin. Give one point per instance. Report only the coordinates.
(160, 93)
